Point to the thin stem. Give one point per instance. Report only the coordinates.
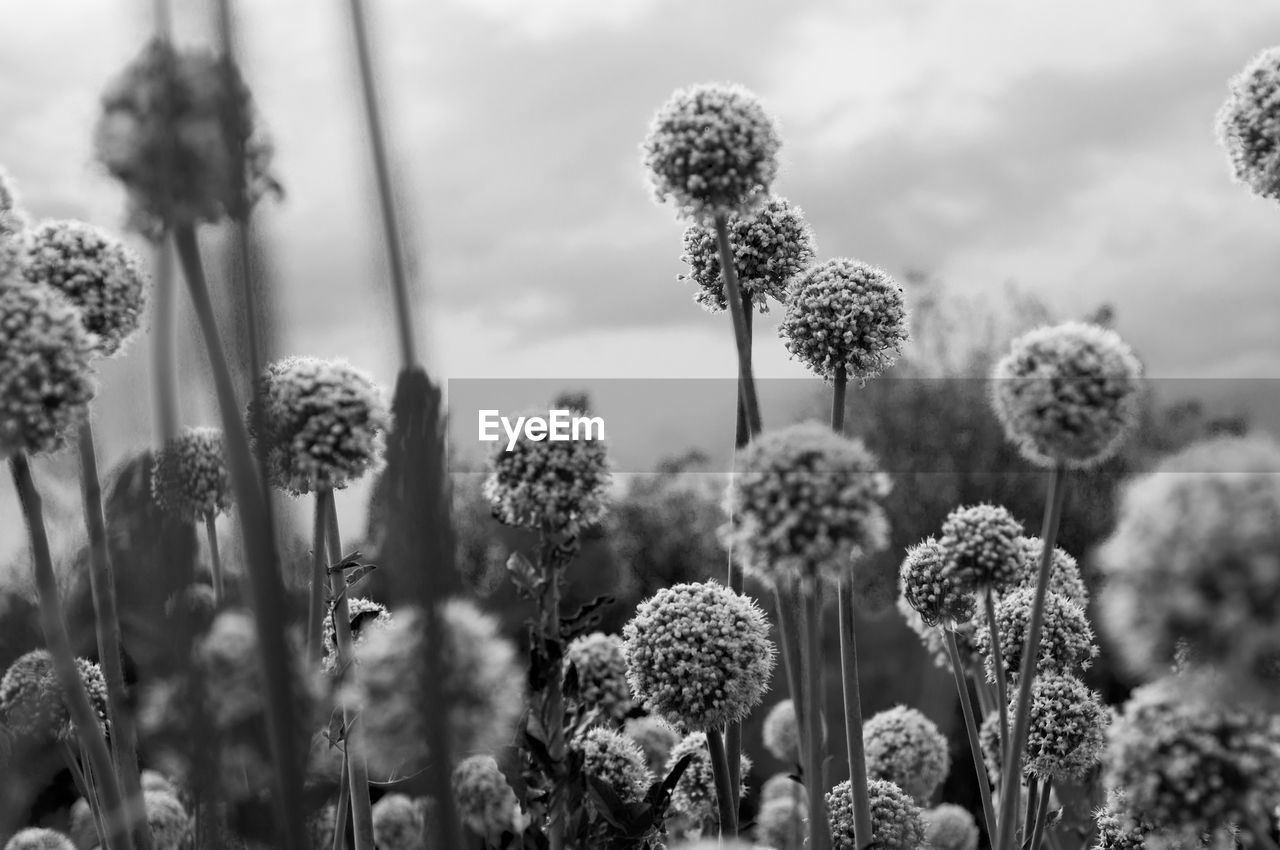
(102, 586)
(315, 597)
(357, 768)
(82, 786)
(789, 637)
(986, 699)
(819, 834)
(386, 200)
(1022, 716)
(853, 714)
(997, 662)
(726, 799)
(736, 582)
(975, 740)
(838, 389)
(215, 559)
(1042, 814)
(1029, 814)
(340, 812)
(553, 716)
(58, 643)
(733, 294)
(267, 594)
(164, 354)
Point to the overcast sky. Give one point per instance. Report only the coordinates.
(1065, 146)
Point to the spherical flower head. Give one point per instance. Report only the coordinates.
(484, 798)
(782, 823)
(189, 478)
(1117, 830)
(933, 638)
(895, 819)
(694, 796)
(782, 785)
(1248, 124)
(906, 748)
(931, 592)
(602, 674)
(558, 486)
(95, 271)
(170, 126)
(781, 732)
(656, 738)
(12, 223)
(699, 654)
(322, 422)
(45, 381)
(154, 780)
(1191, 767)
(168, 819)
(949, 827)
(39, 839)
(1067, 394)
(1064, 571)
(771, 245)
(1192, 561)
(1066, 638)
(365, 616)
(397, 823)
(712, 149)
(81, 828)
(983, 549)
(846, 314)
(805, 500)
(480, 677)
(1067, 728)
(616, 761)
(32, 705)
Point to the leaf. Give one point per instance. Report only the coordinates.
(587, 617)
(659, 794)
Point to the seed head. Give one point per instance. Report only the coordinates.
(484, 798)
(397, 823)
(1067, 394)
(1248, 124)
(906, 748)
(616, 761)
(927, 587)
(189, 477)
(781, 732)
(45, 382)
(602, 674)
(983, 549)
(694, 796)
(771, 246)
(846, 313)
(949, 827)
(699, 654)
(712, 149)
(1066, 638)
(1067, 728)
(895, 819)
(805, 500)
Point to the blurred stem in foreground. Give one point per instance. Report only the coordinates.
(971, 730)
(164, 354)
(814, 699)
(102, 586)
(85, 721)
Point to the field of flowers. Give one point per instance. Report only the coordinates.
(380, 704)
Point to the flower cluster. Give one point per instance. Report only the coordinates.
(37, 838)
(167, 818)
(1192, 562)
(1067, 394)
(549, 485)
(781, 732)
(1191, 767)
(770, 247)
(655, 737)
(484, 798)
(1066, 638)
(906, 748)
(949, 827)
(1116, 830)
(601, 669)
(1067, 728)
(168, 132)
(805, 500)
(895, 819)
(12, 223)
(1064, 572)
(982, 546)
(782, 823)
(615, 761)
(365, 615)
(32, 705)
(95, 271)
(846, 314)
(1249, 124)
(929, 589)
(699, 654)
(480, 677)
(322, 423)
(189, 477)
(398, 823)
(713, 150)
(694, 796)
(45, 381)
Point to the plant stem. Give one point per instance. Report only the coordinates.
(986, 699)
(975, 741)
(839, 386)
(164, 354)
(386, 200)
(215, 559)
(267, 595)
(340, 811)
(789, 637)
(853, 714)
(1042, 814)
(344, 649)
(102, 586)
(58, 642)
(997, 662)
(1029, 814)
(553, 715)
(733, 294)
(1031, 650)
(726, 799)
(736, 582)
(315, 597)
(819, 832)
(82, 785)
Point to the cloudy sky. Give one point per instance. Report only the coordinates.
(1066, 146)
